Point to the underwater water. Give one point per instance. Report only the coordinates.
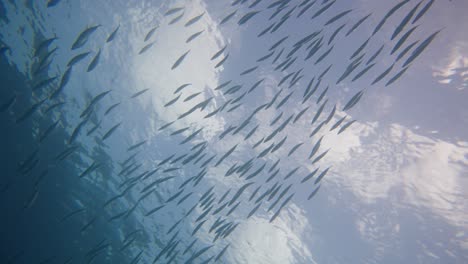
(246, 131)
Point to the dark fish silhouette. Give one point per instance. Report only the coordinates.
(83, 37)
(179, 60)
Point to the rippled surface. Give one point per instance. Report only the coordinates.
(123, 163)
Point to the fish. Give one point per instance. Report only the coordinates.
(255, 173)
(173, 11)
(363, 45)
(221, 86)
(113, 34)
(7, 105)
(94, 101)
(277, 43)
(190, 137)
(49, 130)
(176, 19)
(405, 21)
(266, 30)
(343, 128)
(273, 175)
(383, 74)
(276, 119)
(239, 192)
(173, 197)
(179, 131)
(406, 50)
(322, 95)
(44, 45)
(43, 83)
(309, 176)
(251, 132)
(254, 210)
(53, 106)
(278, 10)
(221, 253)
(194, 20)
(278, 56)
(136, 259)
(90, 169)
(291, 173)
(314, 192)
(279, 197)
(372, 58)
(266, 56)
(397, 76)
(139, 93)
(180, 88)
(110, 131)
(69, 215)
(265, 151)
(76, 131)
(113, 106)
(324, 55)
(279, 24)
(94, 62)
(315, 148)
(389, 13)
(150, 33)
(294, 148)
(422, 11)
(362, 72)
(238, 98)
(63, 82)
(282, 205)
(229, 152)
(194, 36)
(319, 111)
(222, 61)
(136, 145)
(195, 230)
(337, 17)
(247, 17)
(93, 129)
(277, 3)
(317, 129)
(285, 99)
(420, 48)
(321, 175)
(146, 48)
(307, 7)
(52, 3)
(87, 225)
(227, 18)
(353, 101)
(338, 123)
(323, 9)
(83, 37)
(256, 2)
(44, 59)
(172, 101)
(330, 116)
(355, 26)
(29, 112)
(227, 131)
(248, 70)
(198, 254)
(154, 210)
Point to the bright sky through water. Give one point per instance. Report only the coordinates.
(246, 131)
